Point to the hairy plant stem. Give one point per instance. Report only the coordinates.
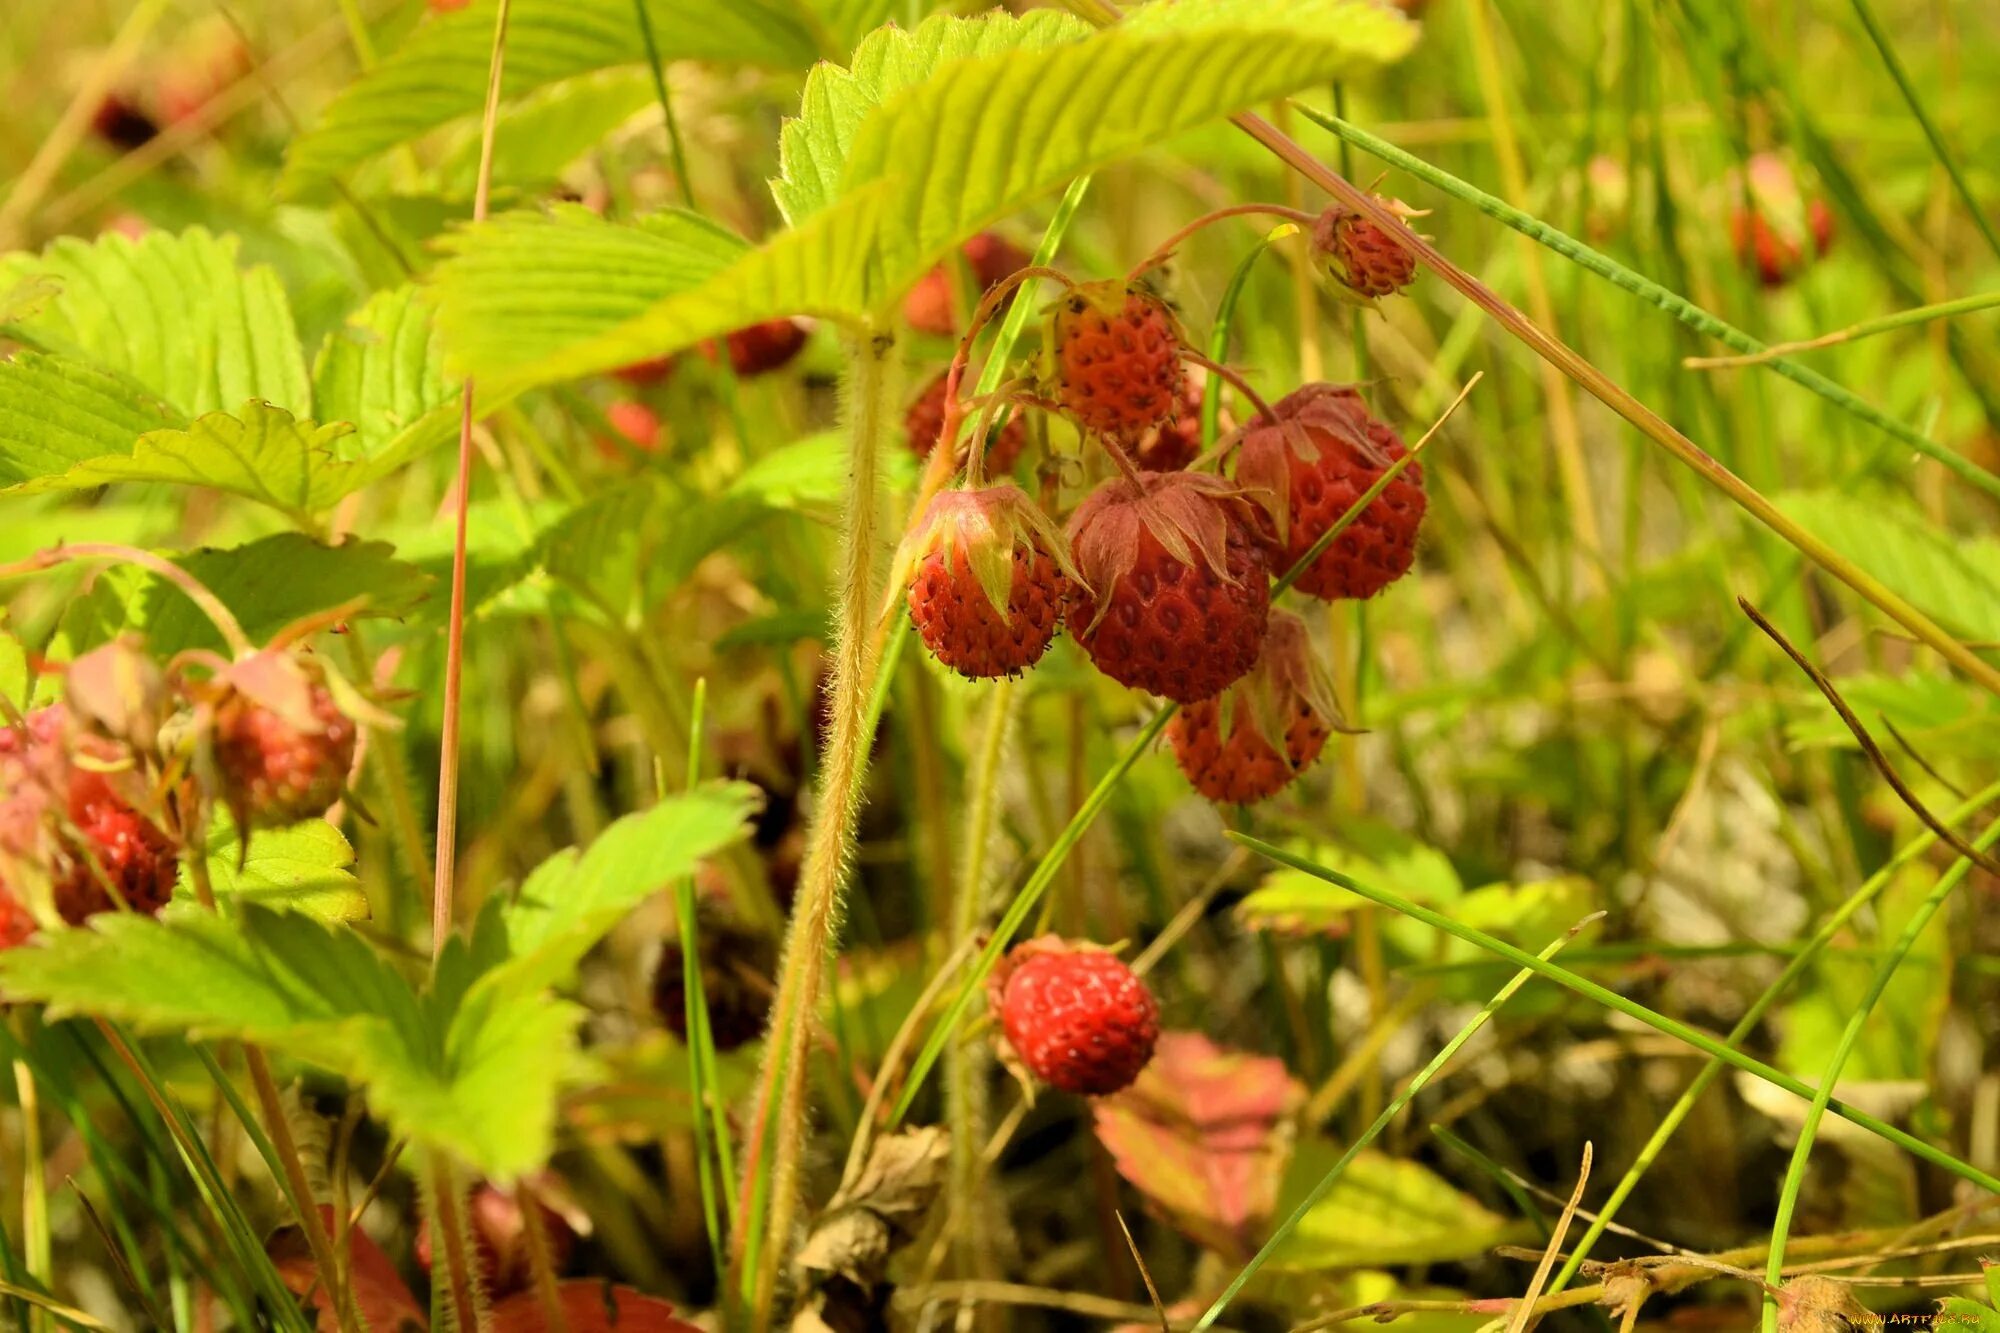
(455, 1293)
(870, 404)
(965, 1063)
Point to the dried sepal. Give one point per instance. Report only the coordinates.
(1299, 423)
(1188, 513)
(984, 527)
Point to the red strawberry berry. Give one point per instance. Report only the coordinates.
(282, 745)
(1362, 261)
(1173, 583)
(1076, 1015)
(928, 307)
(1247, 743)
(1114, 354)
(1310, 466)
(1774, 223)
(989, 583)
(650, 371)
(761, 348)
(925, 419)
(636, 422)
(70, 825)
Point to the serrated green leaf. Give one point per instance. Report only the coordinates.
(279, 978)
(985, 136)
(1916, 559)
(55, 414)
(837, 101)
(302, 868)
(981, 137)
(1382, 1211)
(275, 581)
(645, 535)
(384, 372)
(439, 74)
(172, 313)
(572, 898)
(1966, 1316)
(1938, 715)
(263, 453)
(531, 298)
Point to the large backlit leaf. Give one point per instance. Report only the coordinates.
(384, 372)
(171, 312)
(572, 898)
(262, 453)
(985, 136)
(55, 414)
(980, 137)
(270, 583)
(1203, 1134)
(304, 867)
(813, 147)
(439, 74)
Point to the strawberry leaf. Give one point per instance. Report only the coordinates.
(262, 452)
(171, 313)
(1382, 1212)
(56, 413)
(439, 74)
(1203, 1134)
(530, 298)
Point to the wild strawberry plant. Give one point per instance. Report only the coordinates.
(1052, 714)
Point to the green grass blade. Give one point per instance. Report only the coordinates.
(1885, 971)
(1946, 158)
(1382, 1121)
(1682, 309)
(1794, 968)
(1610, 999)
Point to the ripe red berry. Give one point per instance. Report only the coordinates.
(636, 422)
(1774, 222)
(1173, 583)
(282, 745)
(1247, 743)
(1310, 466)
(928, 307)
(69, 824)
(925, 419)
(1076, 1015)
(1361, 260)
(761, 348)
(650, 371)
(989, 583)
(1114, 358)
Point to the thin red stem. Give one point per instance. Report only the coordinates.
(454, 660)
(197, 592)
(1241, 385)
(1165, 249)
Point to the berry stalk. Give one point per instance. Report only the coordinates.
(1165, 249)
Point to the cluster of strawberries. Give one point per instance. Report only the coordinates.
(1163, 572)
(99, 793)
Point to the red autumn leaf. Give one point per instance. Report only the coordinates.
(379, 1291)
(1204, 1134)
(589, 1306)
